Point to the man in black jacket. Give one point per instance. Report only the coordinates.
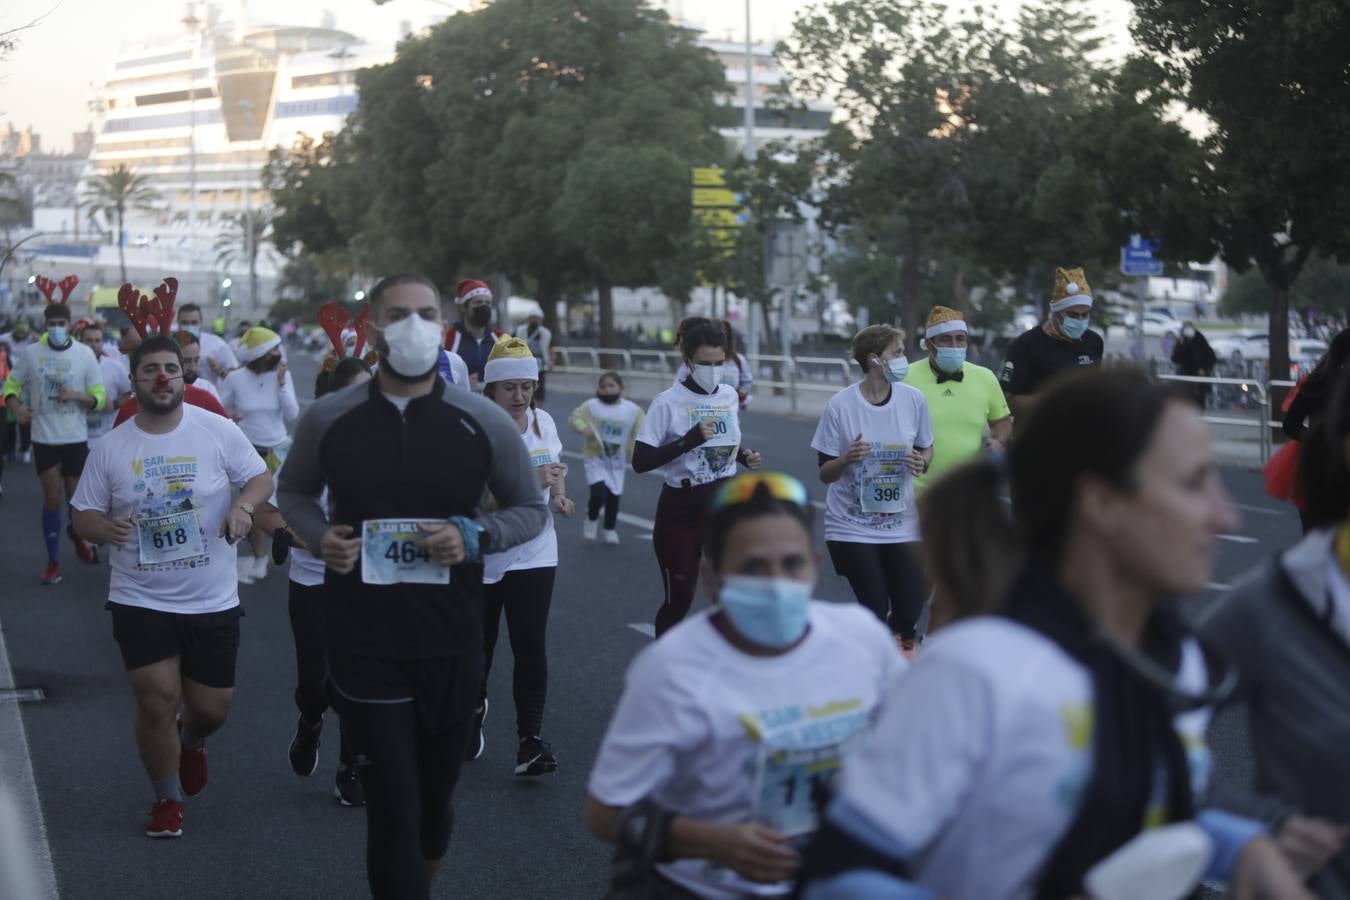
(407, 464)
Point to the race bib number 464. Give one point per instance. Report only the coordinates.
(392, 553)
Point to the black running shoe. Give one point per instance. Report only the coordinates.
(281, 546)
(347, 787)
(535, 757)
(476, 740)
(304, 751)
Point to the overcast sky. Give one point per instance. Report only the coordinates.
(48, 80)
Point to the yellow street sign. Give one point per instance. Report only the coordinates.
(715, 197)
(717, 217)
(708, 176)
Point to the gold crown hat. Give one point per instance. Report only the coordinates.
(510, 360)
(1071, 289)
(944, 320)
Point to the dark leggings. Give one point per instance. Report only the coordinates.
(409, 776)
(525, 596)
(886, 578)
(601, 495)
(313, 691)
(678, 541)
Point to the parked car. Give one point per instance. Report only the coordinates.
(1159, 325)
(1241, 346)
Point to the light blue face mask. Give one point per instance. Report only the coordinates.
(194, 330)
(1073, 328)
(56, 336)
(951, 359)
(897, 369)
(771, 612)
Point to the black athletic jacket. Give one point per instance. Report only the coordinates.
(434, 461)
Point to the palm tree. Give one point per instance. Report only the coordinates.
(113, 193)
(240, 246)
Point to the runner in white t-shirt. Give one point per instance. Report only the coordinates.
(610, 424)
(873, 438)
(158, 489)
(731, 727)
(61, 382)
(216, 353)
(308, 604)
(519, 581)
(116, 381)
(692, 432)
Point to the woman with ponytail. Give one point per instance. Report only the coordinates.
(1043, 733)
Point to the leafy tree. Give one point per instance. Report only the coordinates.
(250, 236)
(1270, 77)
(1323, 285)
(113, 193)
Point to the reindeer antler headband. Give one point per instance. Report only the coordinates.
(149, 316)
(48, 287)
(334, 319)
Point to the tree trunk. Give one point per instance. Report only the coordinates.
(910, 284)
(121, 243)
(549, 295)
(1279, 333)
(605, 292)
(253, 282)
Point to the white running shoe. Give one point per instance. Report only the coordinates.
(611, 537)
(245, 567)
(260, 567)
(27, 457)
(590, 528)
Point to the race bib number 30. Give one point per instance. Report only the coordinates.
(726, 431)
(170, 538)
(392, 553)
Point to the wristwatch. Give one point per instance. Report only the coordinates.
(248, 508)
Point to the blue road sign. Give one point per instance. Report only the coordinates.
(1136, 258)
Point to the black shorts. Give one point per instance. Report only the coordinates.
(206, 644)
(70, 457)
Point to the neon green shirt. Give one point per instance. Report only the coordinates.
(960, 409)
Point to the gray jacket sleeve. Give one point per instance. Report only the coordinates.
(1238, 631)
(300, 481)
(521, 512)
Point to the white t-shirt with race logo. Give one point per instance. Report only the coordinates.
(678, 409)
(614, 423)
(541, 551)
(873, 503)
(44, 372)
(176, 489)
(116, 384)
(979, 757)
(721, 736)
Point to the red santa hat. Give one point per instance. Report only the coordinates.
(469, 288)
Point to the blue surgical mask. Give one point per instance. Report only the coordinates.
(1073, 328)
(771, 612)
(951, 359)
(897, 369)
(56, 336)
(194, 330)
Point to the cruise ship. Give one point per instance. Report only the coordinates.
(197, 111)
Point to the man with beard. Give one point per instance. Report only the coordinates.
(197, 391)
(157, 489)
(472, 337)
(403, 550)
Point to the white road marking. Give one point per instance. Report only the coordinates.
(637, 520)
(26, 861)
(644, 628)
(1264, 510)
(1238, 538)
(1219, 586)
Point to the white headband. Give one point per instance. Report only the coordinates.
(1072, 300)
(511, 368)
(476, 292)
(946, 328)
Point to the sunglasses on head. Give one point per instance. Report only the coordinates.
(778, 485)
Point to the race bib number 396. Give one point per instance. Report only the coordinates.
(392, 553)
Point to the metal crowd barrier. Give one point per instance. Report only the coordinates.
(794, 377)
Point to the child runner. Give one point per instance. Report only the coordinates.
(610, 424)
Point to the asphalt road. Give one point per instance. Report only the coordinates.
(260, 831)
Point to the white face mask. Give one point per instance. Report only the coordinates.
(707, 377)
(412, 346)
